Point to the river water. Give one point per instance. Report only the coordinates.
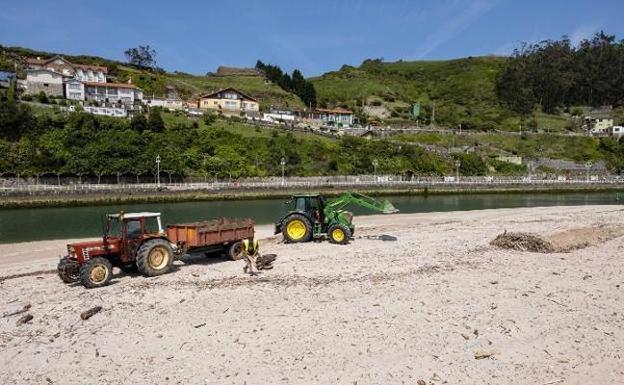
(21, 225)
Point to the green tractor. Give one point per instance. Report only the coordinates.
(312, 216)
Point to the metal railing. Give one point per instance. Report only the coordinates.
(26, 187)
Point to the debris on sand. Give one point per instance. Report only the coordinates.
(481, 354)
(523, 242)
(24, 319)
(20, 311)
(90, 313)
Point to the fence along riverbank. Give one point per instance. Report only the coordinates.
(16, 195)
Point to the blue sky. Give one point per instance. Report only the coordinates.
(315, 36)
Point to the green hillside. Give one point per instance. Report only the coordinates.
(155, 83)
(464, 90)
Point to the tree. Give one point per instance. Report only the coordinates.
(138, 123)
(143, 56)
(155, 122)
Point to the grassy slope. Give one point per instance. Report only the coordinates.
(574, 148)
(464, 90)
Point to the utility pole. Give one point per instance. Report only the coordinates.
(457, 164)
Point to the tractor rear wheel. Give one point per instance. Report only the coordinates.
(297, 228)
(154, 257)
(96, 272)
(339, 234)
(235, 251)
(68, 270)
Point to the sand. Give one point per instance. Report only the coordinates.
(438, 304)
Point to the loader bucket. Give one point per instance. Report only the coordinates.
(388, 208)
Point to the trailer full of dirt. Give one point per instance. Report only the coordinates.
(138, 242)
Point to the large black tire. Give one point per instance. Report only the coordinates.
(297, 228)
(339, 234)
(96, 272)
(236, 251)
(68, 270)
(155, 257)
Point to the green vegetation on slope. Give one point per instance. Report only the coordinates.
(464, 90)
(573, 148)
(34, 143)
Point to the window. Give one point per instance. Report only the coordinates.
(46, 85)
(133, 228)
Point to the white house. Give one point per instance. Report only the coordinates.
(617, 131)
(74, 89)
(170, 103)
(278, 116)
(59, 77)
(598, 124)
(113, 92)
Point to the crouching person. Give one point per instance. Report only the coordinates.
(251, 253)
(254, 261)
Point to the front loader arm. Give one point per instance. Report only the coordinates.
(360, 200)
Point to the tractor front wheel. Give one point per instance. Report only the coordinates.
(297, 228)
(96, 272)
(68, 270)
(339, 234)
(154, 257)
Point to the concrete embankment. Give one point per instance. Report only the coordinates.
(66, 197)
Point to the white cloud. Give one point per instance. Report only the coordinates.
(453, 23)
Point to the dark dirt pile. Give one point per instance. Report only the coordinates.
(523, 242)
(558, 242)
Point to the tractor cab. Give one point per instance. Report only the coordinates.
(312, 205)
(130, 230)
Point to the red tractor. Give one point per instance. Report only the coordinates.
(137, 241)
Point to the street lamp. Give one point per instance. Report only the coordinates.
(588, 166)
(457, 164)
(375, 165)
(158, 170)
(283, 163)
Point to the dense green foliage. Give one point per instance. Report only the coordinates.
(554, 74)
(294, 83)
(36, 142)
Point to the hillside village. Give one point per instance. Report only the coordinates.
(90, 88)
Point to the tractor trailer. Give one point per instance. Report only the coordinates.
(138, 241)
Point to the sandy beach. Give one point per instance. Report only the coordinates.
(414, 299)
